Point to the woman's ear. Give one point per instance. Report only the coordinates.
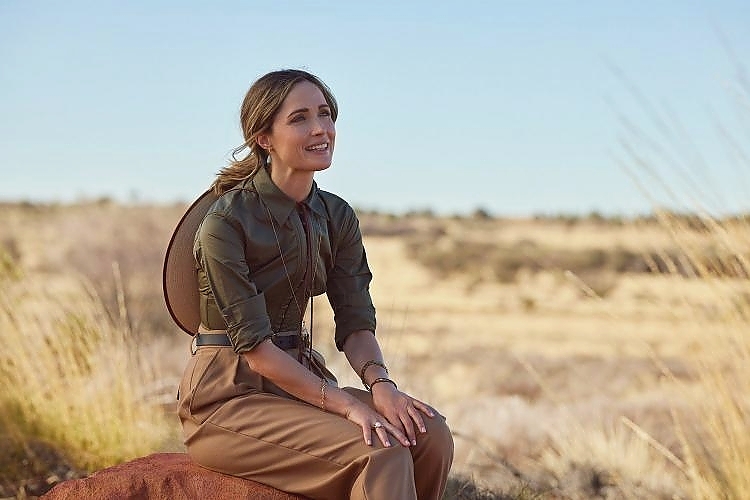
(263, 141)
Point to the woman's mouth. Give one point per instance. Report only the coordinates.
(323, 146)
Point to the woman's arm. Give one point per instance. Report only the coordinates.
(401, 410)
(281, 369)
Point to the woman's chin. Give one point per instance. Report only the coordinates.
(317, 167)
(311, 166)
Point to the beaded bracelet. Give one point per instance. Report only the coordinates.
(378, 380)
(369, 364)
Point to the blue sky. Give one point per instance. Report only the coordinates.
(518, 107)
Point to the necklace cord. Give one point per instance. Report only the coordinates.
(309, 270)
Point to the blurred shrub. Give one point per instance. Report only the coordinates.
(447, 255)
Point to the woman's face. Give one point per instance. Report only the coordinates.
(302, 133)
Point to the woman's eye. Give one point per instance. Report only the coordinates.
(297, 118)
(325, 112)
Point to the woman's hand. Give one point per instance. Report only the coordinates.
(370, 420)
(402, 411)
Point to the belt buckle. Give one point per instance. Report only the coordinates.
(194, 345)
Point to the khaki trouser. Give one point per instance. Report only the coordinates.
(231, 425)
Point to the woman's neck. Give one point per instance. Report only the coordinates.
(294, 184)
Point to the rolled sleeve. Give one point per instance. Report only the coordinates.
(247, 323)
(352, 312)
(220, 252)
(348, 286)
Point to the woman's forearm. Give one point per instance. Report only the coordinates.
(360, 348)
(281, 369)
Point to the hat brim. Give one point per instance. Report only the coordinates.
(179, 274)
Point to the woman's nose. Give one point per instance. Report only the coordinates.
(318, 127)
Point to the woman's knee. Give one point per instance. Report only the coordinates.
(438, 440)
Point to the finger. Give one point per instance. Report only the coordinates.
(397, 433)
(396, 427)
(383, 435)
(424, 408)
(417, 418)
(367, 434)
(409, 427)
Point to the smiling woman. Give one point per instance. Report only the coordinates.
(301, 139)
(257, 400)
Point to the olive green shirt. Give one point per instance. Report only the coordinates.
(252, 254)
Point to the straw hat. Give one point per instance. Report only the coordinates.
(179, 276)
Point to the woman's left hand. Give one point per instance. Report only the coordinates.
(401, 410)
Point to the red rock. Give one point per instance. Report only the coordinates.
(163, 476)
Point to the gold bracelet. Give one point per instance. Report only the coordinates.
(369, 364)
(323, 385)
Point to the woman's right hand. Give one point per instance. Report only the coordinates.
(370, 420)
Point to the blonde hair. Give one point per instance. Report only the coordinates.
(259, 108)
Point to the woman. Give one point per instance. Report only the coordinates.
(256, 399)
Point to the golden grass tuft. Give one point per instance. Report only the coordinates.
(717, 452)
(607, 461)
(71, 377)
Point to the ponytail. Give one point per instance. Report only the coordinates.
(239, 169)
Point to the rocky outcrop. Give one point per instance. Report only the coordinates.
(163, 476)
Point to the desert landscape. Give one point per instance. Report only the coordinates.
(573, 356)
(553, 199)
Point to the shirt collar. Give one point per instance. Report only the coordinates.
(279, 204)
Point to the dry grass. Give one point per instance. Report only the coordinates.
(554, 389)
(561, 372)
(716, 454)
(74, 384)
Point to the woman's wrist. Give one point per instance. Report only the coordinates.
(368, 364)
(372, 370)
(339, 401)
(381, 380)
